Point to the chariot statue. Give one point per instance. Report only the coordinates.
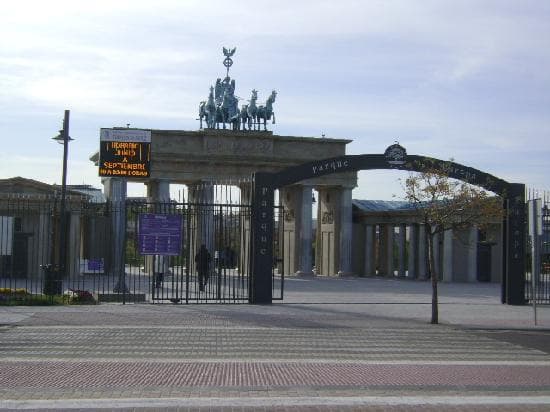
(222, 106)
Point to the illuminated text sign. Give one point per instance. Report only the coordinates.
(124, 153)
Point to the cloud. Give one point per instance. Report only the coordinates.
(449, 79)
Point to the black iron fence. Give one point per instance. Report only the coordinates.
(537, 276)
(133, 251)
(205, 257)
(278, 274)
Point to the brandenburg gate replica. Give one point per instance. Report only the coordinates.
(232, 144)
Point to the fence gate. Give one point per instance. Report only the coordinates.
(188, 252)
(278, 273)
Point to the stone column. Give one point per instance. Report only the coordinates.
(201, 221)
(115, 192)
(44, 245)
(422, 255)
(386, 250)
(401, 244)
(472, 254)
(345, 222)
(304, 231)
(158, 191)
(158, 197)
(288, 200)
(201, 195)
(74, 244)
(413, 251)
(448, 256)
(370, 262)
(390, 240)
(327, 236)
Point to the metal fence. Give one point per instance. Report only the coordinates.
(133, 251)
(278, 274)
(537, 277)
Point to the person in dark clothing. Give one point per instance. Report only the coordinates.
(202, 261)
(228, 258)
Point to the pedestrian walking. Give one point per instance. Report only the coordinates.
(202, 261)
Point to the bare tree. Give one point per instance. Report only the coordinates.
(448, 204)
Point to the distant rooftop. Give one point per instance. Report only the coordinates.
(382, 205)
(95, 195)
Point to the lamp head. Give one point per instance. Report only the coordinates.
(60, 138)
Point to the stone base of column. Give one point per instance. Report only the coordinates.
(343, 274)
(302, 274)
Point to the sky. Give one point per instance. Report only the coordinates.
(467, 80)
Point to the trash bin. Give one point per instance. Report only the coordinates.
(52, 285)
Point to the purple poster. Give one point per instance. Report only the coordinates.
(159, 234)
(95, 265)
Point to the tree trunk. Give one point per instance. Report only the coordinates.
(433, 274)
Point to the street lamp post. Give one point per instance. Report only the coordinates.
(64, 139)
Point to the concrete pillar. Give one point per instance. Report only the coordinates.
(115, 192)
(158, 191)
(471, 266)
(158, 197)
(201, 196)
(288, 252)
(448, 256)
(304, 231)
(390, 239)
(345, 222)
(370, 259)
(44, 245)
(386, 239)
(422, 253)
(401, 244)
(74, 244)
(328, 237)
(386, 250)
(413, 251)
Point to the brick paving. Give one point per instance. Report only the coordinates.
(85, 376)
(298, 356)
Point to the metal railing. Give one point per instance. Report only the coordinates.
(129, 265)
(537, 273)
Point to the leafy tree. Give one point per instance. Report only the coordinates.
(448, 204)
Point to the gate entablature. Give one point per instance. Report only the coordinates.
(184, 157)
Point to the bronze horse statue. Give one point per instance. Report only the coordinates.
(207, 110)
(266, 112)
(248, 111)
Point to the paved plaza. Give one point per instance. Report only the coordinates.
(333, 344)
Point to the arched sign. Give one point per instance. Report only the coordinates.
(396, 158)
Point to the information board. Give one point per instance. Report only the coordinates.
(159, 234)
(124, 153)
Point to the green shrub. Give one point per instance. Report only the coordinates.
(28, 299)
